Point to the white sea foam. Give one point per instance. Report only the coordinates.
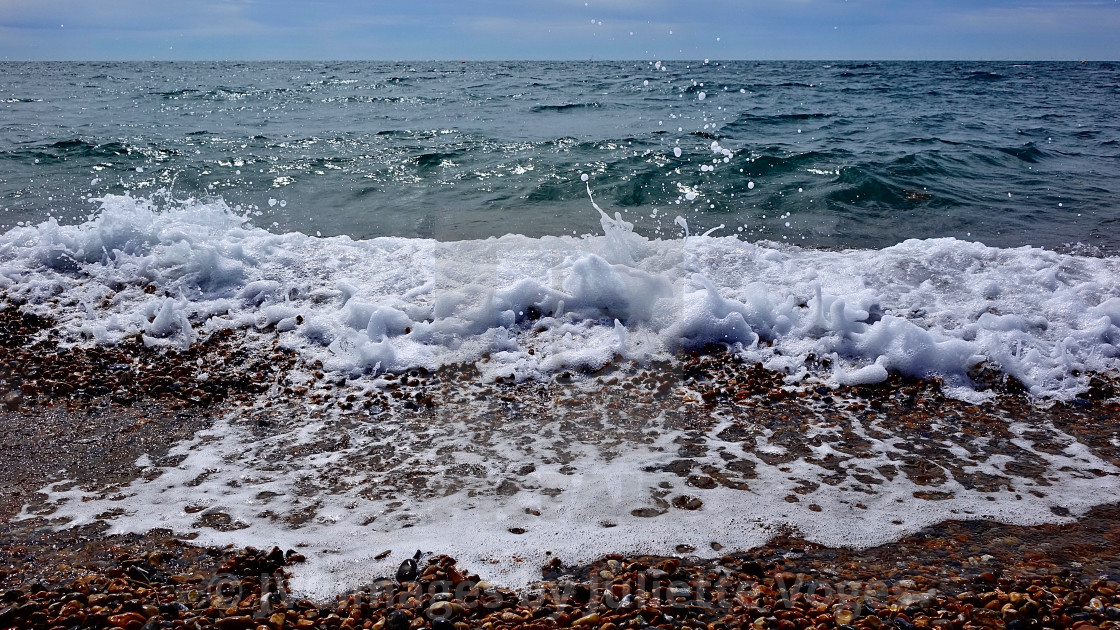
(358, 510)
(529, 308)
(921, 308)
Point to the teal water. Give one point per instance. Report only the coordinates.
(848, 154)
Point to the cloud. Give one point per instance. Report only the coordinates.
(1042, 17)
(494, 29)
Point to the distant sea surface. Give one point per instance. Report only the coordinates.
(822, 154)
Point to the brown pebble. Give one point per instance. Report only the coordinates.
(122, 620)
(238, 622)
(685, 502)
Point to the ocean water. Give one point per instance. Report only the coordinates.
(848, 154)
(517, 237)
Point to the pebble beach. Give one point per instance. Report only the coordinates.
(94, 411)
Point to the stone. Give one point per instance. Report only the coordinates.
(686, 502)
(589, 620)
(12, 401)
(396, 620)
(407, 572)
(237, 622)
(440, 609)
(125, 619)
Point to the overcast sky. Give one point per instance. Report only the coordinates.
(559, 29)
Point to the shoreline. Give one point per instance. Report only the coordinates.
(952, 576)
(96, 435)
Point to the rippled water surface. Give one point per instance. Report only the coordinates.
(822, 154)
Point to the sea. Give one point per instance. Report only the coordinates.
(849, 154)
(551, 226)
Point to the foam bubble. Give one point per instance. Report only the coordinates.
(941, 306)
(590, 484)
(527, 309)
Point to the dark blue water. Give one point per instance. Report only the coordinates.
(848, 154)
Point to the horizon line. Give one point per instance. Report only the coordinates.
(701, 61)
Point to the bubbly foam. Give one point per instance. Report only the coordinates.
(929, 308)
(573, 468)
(505, 490)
